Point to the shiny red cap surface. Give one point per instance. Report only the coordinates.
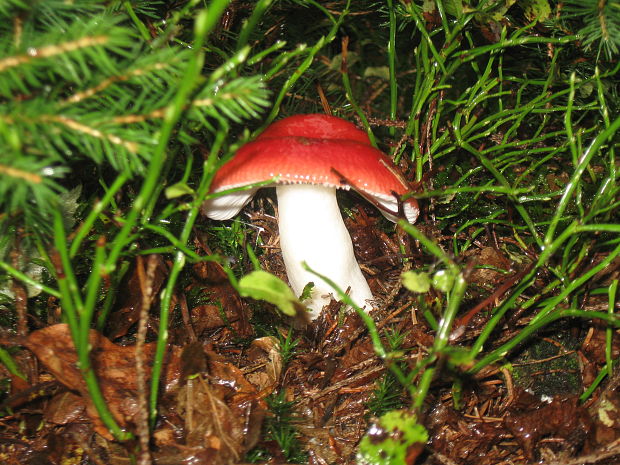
(312, 149)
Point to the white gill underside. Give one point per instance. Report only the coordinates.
(312, 231)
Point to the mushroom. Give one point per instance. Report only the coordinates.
(309, 157)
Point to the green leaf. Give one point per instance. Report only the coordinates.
(498, 11)
(261, 285)
(10, 365)
(536, 10)
(457, 358)
(68, 204)
(396, 437)
(454, 7)
(416, 282)
(442, 280)
(306, 293)
(429, 6)
(382, 72)
(177, 190)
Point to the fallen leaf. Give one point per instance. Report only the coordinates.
(265, 352)
(223, 413)
(64, 408)
(131, 296)
(115, 367)
(563, 417)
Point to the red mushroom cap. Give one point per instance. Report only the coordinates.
(315, 126)
(312, 149)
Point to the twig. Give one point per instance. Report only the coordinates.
(20, 294)
(146, 286)
(346, 381)
(187, 321)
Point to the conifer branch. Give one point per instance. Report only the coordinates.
(90, 131)
(88, 93)
(245, 97)
(63, 53)
(50, 51)
(66, 91)
(20, 174)
(600, 23)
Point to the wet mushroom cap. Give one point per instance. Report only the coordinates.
(311, 149)
(315, 126)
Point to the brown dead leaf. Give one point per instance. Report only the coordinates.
(211, 316)
(210, 272)
(369, 242)
(606, 413)
(222, 412)
(64, 408)
(563, 418)
(594, 346)
(225, 306)
(462, 441)
(557, 181)
(265, 353)
(484, 260)
(114, 365)
(131, 296)
(65, 445)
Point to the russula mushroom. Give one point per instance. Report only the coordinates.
(309, 157)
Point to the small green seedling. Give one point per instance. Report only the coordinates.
(416, 282)
(421, 282)
(261, 285)
(396, 437)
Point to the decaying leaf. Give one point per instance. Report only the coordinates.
(265, 355)
(222, 412)
(64, 408)
(562, 417)
(114, 365)
(131, 296)
(489, 266)
(606, 413)
(221, 304)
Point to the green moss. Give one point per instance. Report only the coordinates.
(548, 367)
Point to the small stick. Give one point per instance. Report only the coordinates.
(146, 285)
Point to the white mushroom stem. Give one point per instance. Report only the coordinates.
(312, 231)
